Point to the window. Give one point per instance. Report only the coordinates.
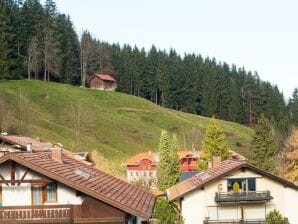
(241, 182)
(245, 184)
(37, 194)
(131, 173)
(51, 192)
(251, 184)
(43, 193)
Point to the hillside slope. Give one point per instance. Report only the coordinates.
(115, 124)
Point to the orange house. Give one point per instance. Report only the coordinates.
(143, 165)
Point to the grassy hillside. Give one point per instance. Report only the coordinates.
(115, 124)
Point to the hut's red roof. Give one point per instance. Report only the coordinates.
(104, 77)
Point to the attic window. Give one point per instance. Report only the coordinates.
(84, 173)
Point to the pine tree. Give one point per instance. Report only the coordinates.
(168, 169)
(264, 149)
(293, 107)
(214, 142)
(5, 40)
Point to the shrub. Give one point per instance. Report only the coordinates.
(275, 217)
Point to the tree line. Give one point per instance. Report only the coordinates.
(39, 42)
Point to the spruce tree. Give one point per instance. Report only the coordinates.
(214, 142)
(293, 107)
(5, 40)
(175, 162)
(264, 149)
(168, 169)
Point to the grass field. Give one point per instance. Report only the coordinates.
(115, 124)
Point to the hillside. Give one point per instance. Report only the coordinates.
(115, 124)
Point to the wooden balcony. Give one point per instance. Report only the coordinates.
(243, 197)
(189, 167)
(36, 214)
(236, 221)
(90, 211)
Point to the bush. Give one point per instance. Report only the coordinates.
(275, 217)
(165, 213)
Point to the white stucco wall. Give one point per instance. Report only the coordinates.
(291, 204)
(193, 208)
(21, 195)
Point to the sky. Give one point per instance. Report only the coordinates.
(261, 35)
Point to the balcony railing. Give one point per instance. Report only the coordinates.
(243, 197)
(236, 221)
(36, 214)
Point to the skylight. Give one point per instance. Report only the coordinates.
(84, 173)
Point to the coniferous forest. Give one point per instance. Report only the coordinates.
(38, 42)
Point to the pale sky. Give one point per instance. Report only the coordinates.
(261, 35)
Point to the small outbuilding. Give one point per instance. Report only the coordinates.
(102, 82)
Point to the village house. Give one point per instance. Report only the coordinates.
(102, 82)
(53, 185)
(234, 191)
(142, 166)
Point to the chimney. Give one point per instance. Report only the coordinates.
(57, 154)
(216, 161)
(209, 164)
(29, 147)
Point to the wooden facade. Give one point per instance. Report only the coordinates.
(102, 82)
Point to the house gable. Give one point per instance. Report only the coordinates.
(213, 174)
(83, 178)
(211, 198)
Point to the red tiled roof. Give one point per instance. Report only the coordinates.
(140, 156)
(104, 77)
(211, 174)
(95, 183)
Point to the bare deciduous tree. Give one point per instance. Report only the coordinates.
(191, 138)
(23, 112)
(33, 58)
(50, 55)
(3, 113)
(87, 47)
(79, 119)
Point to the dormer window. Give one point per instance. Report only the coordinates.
(245, 184)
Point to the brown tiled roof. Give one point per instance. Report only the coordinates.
(23, 141)
(84, 178)
(212, 174)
